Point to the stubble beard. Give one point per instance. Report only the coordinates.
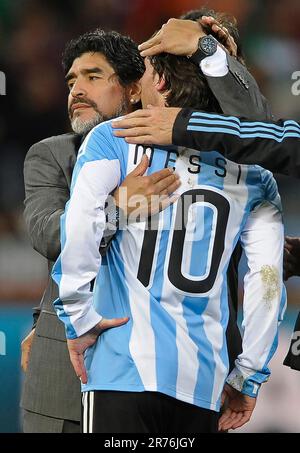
(83, 127)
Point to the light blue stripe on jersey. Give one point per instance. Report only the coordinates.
(204, 224)
(110, 363)
(232, 120)
(198, 305)
(238, 134)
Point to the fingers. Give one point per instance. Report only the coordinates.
(169, 183)
(150, 42)
(161, 174)
(142, 113)
(289, 258)
(140, 140)
(26, 348)
(292, 243)
(153, 50)
(110, 323)
(142, 167)
(24, 360)
(77, 360)
(241, 420)
(231, 421)
(133, 132)
(222, 33)
(173, 187)
(224, 420)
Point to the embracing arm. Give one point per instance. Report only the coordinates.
(231, 83)
(273, 145)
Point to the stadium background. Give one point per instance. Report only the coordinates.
(32, 37)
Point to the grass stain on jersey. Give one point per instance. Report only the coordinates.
(270, 279)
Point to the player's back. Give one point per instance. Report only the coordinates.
(169, 276)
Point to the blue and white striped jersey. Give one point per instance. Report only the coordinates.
(171, 280)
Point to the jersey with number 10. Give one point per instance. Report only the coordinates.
(169, 274)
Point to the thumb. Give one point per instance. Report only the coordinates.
(150, 107)
(115, 322)
(142, 167)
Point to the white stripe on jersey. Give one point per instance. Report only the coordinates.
(142, 340)
(188, 363)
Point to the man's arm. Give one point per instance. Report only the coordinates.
(231, 83)
(263, 307)
(238, 93)
(46, 193)
(273, 145)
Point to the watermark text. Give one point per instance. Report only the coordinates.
(296, 84)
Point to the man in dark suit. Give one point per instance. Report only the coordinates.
(51, 390)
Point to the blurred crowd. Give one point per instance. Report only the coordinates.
(33, 34)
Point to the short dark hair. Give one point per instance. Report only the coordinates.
(185, 84)
(226, 20)
(120, 51)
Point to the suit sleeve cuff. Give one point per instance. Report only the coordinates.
(216, 65)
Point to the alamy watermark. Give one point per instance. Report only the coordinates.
(2, 343)
(296, 84)
(2, 84)
(296, 343)
(190, 212)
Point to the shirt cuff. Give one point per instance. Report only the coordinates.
(242, 382)
(216, 65)
(81, 326)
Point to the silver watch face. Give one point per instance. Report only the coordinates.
(208, 45)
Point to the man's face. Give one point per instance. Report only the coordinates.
(95, 93)
(151, 87)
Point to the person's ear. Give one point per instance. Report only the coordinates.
(161, 85)
(134, 92)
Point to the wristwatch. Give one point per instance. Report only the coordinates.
(207, 46)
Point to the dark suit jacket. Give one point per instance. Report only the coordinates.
(51, 387)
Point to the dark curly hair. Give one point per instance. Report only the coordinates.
(185, 84)
(120, 51)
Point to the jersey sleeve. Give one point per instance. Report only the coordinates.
(97, 172)
(273, 145)
(264, 298)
